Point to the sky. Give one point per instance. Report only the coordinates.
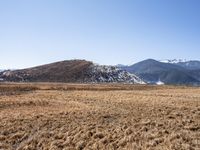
(35, 32)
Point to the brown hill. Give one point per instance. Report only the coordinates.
(64, 71)
(80, 71)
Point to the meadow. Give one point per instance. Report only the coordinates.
(56, 116)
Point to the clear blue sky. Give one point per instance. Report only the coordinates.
(34, 32)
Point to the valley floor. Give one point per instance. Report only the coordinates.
(74, 116)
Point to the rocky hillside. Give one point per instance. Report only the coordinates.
(79, 71)
(111, 74)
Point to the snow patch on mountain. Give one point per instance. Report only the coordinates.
(173, 61)
(160, 83)
(100, 73)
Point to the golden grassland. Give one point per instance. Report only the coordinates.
(47, 116)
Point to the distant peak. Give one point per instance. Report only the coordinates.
(173, 61)
(150, 60)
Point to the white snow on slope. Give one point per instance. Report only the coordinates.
(113, 74)
(173, 61)
(160, 83)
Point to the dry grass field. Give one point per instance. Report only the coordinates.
(91, 117)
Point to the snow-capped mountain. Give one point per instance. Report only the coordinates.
(175, 72)
(187, 64)
(173, 61)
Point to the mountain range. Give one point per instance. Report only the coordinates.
(168, 72)
(150, 71)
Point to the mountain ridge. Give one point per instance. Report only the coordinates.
(152, 71)
(176, 72)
